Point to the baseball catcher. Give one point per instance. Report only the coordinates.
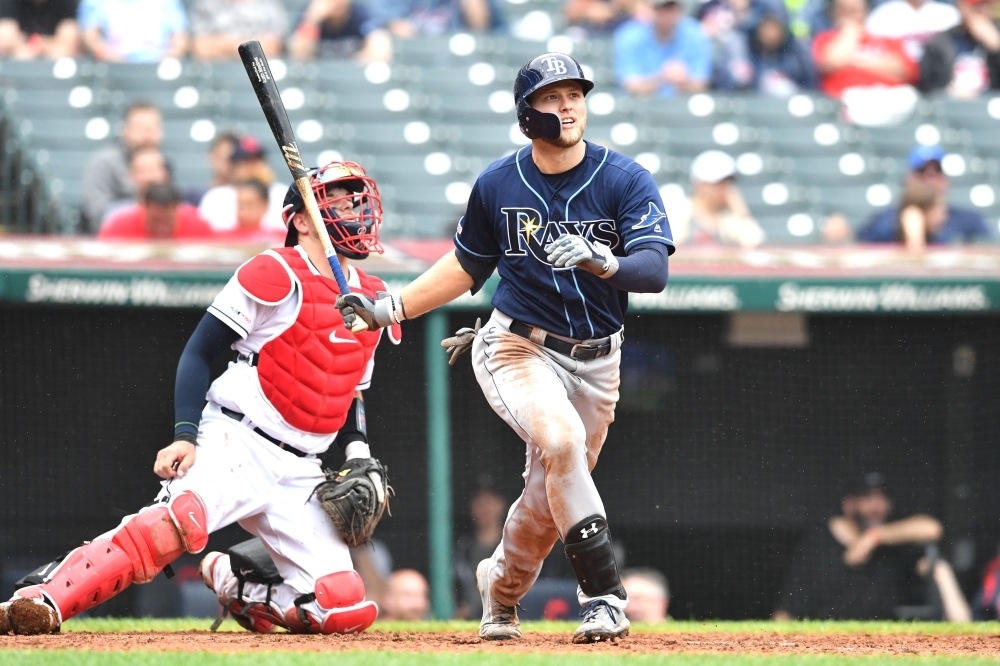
(255, 453)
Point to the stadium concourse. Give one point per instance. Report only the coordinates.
(426, 125)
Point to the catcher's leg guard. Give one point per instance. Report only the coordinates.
(341, 597)
(590, 551)
(93, 573)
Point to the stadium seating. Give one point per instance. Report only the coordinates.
(444, 111)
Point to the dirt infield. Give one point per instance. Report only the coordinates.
(637, 643)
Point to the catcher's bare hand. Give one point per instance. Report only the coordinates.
(174, 460)
(461, 342)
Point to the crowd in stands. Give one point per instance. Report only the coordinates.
(661, 47)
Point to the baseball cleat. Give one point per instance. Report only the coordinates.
(601, 622)
(30, 616)
(499, 622)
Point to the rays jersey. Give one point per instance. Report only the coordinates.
(515, 211)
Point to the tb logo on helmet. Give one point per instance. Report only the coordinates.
(554, 65)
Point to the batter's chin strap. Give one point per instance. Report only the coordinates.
(592, 555)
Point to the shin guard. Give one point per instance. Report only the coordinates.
(591, 553)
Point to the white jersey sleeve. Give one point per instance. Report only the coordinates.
(237, 310)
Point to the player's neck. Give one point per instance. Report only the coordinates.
(554, 159)
(318, 258)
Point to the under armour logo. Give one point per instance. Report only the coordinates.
(554, 65)
(589, 531)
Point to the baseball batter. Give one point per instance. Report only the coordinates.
(572, 227)
(251, 454)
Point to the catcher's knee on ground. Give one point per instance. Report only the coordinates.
(135, 552)
(250, 588)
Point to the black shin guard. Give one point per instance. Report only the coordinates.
(590, 551)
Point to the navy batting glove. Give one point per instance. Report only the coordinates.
(570, 251)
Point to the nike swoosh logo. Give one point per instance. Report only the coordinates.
(334, 338)
(351, 629)
(193, 519)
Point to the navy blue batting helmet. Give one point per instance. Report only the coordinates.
(537, 73)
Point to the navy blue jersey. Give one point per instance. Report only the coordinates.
(515, 211)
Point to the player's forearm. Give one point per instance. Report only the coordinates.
(916, 529)
(442, 283)
(642, 271)
(208, 342)
(956, 608)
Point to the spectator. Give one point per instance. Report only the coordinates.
(218, 27)
(487, 509)
(648, 595)
(106, 177)
(781, 65)
(160, 216)
(218, 206)
(856, 567)
(38, 29)
(133, 30)
(921, 25)
(407, 19)
(986, 605)
(668, 55)
(849, 56)
(220, 152)
(251, 211)
(728, 24)
(588, 18)
(922, 211)
(406, 597)
(973, 57)
(958, 224)
(338, 29)
(716, 210)
(146, 167)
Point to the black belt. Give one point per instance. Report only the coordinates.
(236, 416)
(250, 357)
(573, 350)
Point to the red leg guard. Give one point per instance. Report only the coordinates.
(89, 575)
(156, 537)
(343, 595)
(351, 620)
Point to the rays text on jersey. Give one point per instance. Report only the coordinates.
(527, 232)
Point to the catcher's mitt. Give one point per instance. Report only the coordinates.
(355, 496)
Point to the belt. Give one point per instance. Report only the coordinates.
(573, 350)
(236, 416)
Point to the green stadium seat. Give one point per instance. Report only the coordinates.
(53, 104)
(396, 138)
(474, 107)
(491, 141)
(778, 113)
(776, 199)
(690, 141)
(976, 115)
(797, 228)
(44, 74)
(856, 203)
(77, 134)
(178, 103)
(681, 112)
(821, 139)
(374, 106)
(136, 78)
(849, 169)
(898, 141)
(430, 52)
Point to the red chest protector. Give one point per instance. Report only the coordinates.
(310, 371)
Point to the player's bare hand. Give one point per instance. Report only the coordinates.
(570, 250)
(174, 460)
(461, 342)
(861, 550)
(361, 313)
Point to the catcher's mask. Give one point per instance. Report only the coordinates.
(351, 219)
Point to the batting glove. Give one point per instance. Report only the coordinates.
(570, 250)
(461, 342)
(361, 313)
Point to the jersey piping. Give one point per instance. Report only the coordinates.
(583, 299)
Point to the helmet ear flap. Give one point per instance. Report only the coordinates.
(537, 125)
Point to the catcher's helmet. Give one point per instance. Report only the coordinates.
(538, 72)
(351, 219)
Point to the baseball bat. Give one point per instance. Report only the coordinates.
(266, 90)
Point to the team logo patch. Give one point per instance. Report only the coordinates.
(528, 232)
(239, 315)
(652, 218)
